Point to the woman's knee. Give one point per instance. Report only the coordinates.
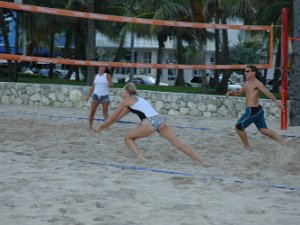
(127, 138)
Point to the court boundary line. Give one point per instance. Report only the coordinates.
(131, 122)
(148, 169)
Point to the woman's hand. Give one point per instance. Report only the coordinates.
(86, 97)
(98, 129)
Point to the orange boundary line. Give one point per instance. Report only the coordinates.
(127, 65)
(123, 19)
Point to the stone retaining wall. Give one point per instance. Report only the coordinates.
(164, 102)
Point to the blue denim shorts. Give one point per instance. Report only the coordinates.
(100, 99)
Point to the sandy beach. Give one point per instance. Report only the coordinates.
(54, 171)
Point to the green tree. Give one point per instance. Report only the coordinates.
(221, 11)
(90, 41)
(264, 13)
(163, 10)
(4, 32)
(245, 53)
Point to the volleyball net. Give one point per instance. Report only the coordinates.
(121, 19)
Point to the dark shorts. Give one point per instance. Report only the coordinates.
(252, 115)
(100, 99)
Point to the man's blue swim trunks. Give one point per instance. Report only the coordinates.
(252, 115)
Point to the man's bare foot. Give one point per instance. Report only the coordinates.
(141, 159)
(204, 163)
(248, 147)
(284, 144)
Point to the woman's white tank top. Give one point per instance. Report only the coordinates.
(101, 85)
(143, 108)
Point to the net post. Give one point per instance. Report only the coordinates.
(284, 44)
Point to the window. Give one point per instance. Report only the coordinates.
(171, 74)
(196, 72)
(147, 59)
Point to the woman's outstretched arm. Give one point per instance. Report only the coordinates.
(121, 111)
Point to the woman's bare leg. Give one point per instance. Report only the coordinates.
(167, 133)
(105, 110)
(94, 106)
(141, 131)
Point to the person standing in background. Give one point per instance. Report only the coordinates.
(99, 91)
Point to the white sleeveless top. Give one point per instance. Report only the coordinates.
(101, 85)
(143, 108)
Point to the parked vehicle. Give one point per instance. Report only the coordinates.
(232, 86)
(144, 79)
(197, 81)
(269, 85)
(62, 73)
(42, 69)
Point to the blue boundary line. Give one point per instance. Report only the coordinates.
(130, 122)
(214, 178)
(137, 168)
(125, 122)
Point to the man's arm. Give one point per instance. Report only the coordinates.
(265, 90)
(235, 93)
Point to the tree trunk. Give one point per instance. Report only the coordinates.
(161, 43)
(295, 81)
(277, 72)
(6, 44)
(215, 81)
(201, 40)
(90, 42)
(180, 76)
(15, 74)
(222, 87)
(50, 72)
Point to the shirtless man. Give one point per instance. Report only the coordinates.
(254, 113)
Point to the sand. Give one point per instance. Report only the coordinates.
(53, 170)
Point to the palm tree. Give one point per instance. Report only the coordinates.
(117, 31)
(90, 41)
(295, 81)
(211, 7)
(220, 9)
(3, 27)
(163, 10)
(269, 12)
(42, 29)
(202, 35)
(262, 13)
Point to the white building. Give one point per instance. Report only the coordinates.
(146, 51)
